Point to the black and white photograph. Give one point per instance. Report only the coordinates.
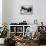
(26, 10)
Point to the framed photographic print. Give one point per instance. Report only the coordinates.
(26, 10)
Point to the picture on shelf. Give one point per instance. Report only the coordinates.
(26, 10)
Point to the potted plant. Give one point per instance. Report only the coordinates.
(3, 34)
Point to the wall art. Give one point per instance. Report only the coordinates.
(26, 10)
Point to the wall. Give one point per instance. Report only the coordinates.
(4, 11)
(12, 8)
(14, 11)
(0, 13)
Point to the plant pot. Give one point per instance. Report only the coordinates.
(2, 40)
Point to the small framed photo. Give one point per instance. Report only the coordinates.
(26, 10)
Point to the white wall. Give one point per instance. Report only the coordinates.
(0, 13)
(4, 11)
(12, 11)
(14, 7)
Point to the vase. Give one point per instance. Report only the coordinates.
(2, 40)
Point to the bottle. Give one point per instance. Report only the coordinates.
(35, 21)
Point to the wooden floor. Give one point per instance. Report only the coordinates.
(2, 45)
(32, 45)
(42, 45)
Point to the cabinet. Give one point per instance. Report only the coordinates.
(18, 29)
(21, 29)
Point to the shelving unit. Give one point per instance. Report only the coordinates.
(18, 29)
(21, 29)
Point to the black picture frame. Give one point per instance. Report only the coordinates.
(26, 10)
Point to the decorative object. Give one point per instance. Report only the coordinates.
(2, 40)
(35, 21)
(3, 34)
(26, 10)
(28, 33)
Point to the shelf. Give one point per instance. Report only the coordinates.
(12, 32)
(19, 27)
(16, 32)
(19, 32)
